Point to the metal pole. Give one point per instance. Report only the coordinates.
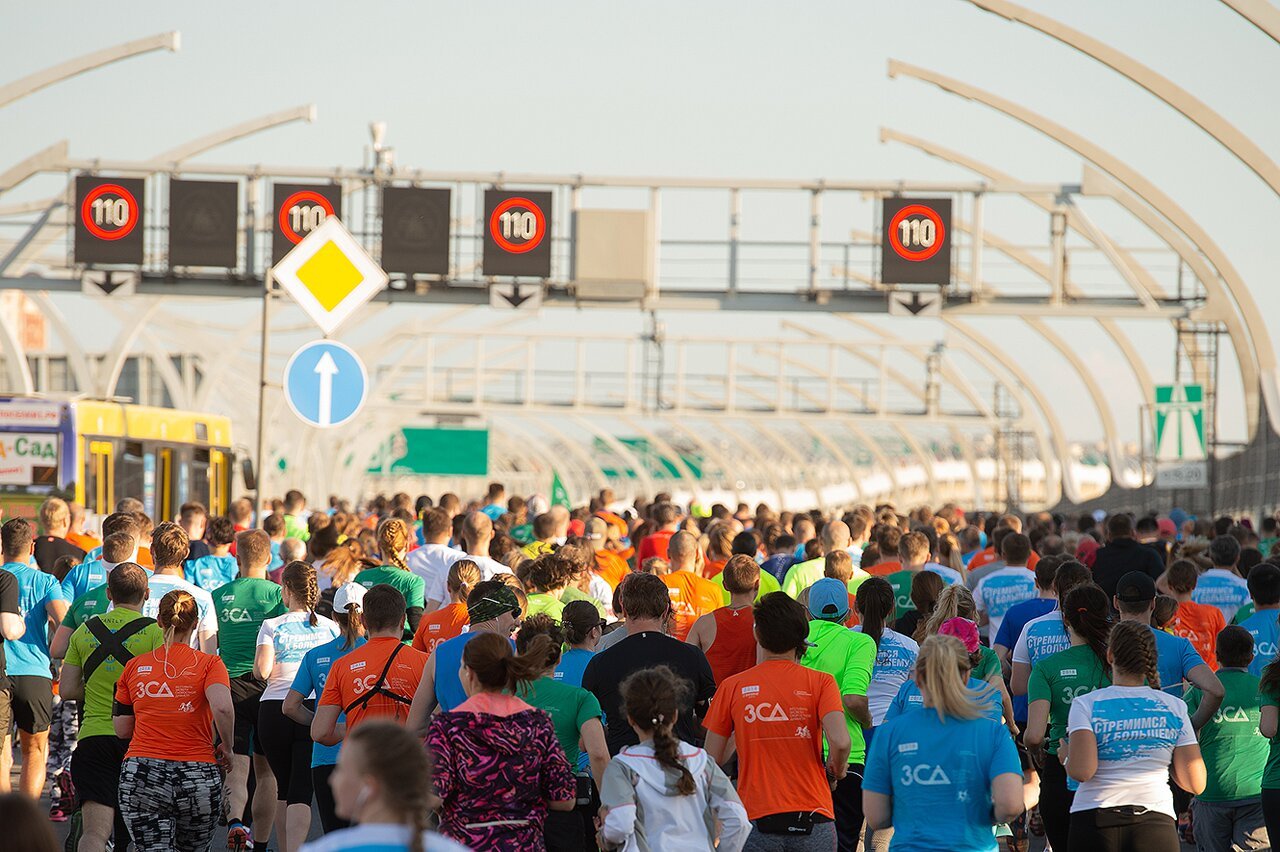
(976, 234)
(735, 231)
(1058, 233)
(263, 361)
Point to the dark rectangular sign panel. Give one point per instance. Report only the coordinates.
(415, 230)
(296, 210)
(109, 219)
(203, 223)
(517, 233)
(915, 241)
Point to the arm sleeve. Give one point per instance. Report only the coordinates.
(1080, 717)
(266, 634)
(70, 583)
(897, 705)
(829, 696)
(415, 597)
(75, 655)
(55, 591)
(1021, 649)
(303, 683)
(442, 774)
(725, 804)
(1002, 635)
(719, 718)
(217, 673)
(876, 774)
(1188, 734)
(1004, 756)
(618, 794)
(123, 694)
(857, 669)
(331, 695)
(8, 592)
(588, 709)
(1038, 688)
(1190, 659)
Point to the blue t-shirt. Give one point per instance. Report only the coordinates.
(449, 691)
(210, 572)
(36, 589)
(909, 700)
(1226, 590)
(1264, 627)
(572, 664)
(494, 511)
(1011, 628)
(276, 561)
(1175, 657)
(778, 564)
(89, 574)
(939, 775)
(378, 838)
(311, 676)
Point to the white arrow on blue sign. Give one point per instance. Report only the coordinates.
(325, 383)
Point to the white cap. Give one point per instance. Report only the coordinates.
(351, 594)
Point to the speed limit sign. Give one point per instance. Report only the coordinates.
(915, 241)
(109, 219)
(298, 210)
(517, 233)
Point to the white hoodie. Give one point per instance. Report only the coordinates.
(646, 813)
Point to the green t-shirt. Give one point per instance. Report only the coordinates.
(848, 657)
(1243, 613)
(901, 582)
(988, 664)
(406, 583)
(1234, 751)
(99, 690)
(570, 707)
(573, 593)
(242, 605)
(768, 583)
(91, 603)
(802, 575)
(1058, 679)
(541, 603)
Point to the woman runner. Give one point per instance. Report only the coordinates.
(451, 619)
(393, 544)
(895, 654)
(583, 628)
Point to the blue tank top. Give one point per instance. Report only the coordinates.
(449, 691)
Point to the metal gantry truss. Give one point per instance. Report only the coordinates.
(839, 405)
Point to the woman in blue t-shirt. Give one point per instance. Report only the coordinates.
(944, 776)
(1123, 740)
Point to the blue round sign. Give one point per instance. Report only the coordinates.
(325, 383)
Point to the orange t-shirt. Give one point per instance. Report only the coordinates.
(982, 558)
(691, 597)
(611, 567)
(439, 626)
(852, 620)
(166, 688)
(84, 542)
(774, 712)
(713, 567)
(354, 674)
(884, 569)
(1200, 625)
(734, 649)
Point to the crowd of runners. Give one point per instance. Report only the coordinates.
(505, 674)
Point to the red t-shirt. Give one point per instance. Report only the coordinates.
(734, 649)
(774, 712)
(354, 674)
(440, 626)
(166, 689)
(654, 544)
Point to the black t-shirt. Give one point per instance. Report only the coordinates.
(198, 550)
(607, 670)
(8, 603)
(50, 548)
(1121, 556)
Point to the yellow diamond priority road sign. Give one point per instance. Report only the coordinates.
(329, 275)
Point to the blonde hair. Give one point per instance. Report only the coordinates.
(343, 562)
(393, 542)
(464, 575)
(54, 513)
(178, 613)
(941, 669)
(956, 601)
(397, 759)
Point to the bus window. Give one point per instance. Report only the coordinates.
(200, 476)
(164, 483)
(130, 471)
(218, 472)
(99, 481)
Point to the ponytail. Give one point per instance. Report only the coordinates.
(300, 579)
(941, 668)
(1133, 651)
(498, 668)
(956, 601)
(393, 542)
(926, 586)
(876, 604)
(1087, 612)
(178, 613)
(651, 699)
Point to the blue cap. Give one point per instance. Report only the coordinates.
(829, 599)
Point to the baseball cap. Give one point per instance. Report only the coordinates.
(350, 594)
(828, 599)
(1167, 527)
(1136, 587)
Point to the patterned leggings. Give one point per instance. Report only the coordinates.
(170, 804)
(62, 735)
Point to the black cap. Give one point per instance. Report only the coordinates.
(1136, 587)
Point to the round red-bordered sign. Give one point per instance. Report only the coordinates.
(96, 229)
(916, 210)
(282, 216)
(506, 244)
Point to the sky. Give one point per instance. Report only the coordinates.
(713, 88)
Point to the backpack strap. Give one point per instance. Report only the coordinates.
(111, 643)
(380, 688)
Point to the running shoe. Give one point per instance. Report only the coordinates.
(63, 798)
(239, 837)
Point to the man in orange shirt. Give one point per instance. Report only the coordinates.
(375, 681)
(610, 566)
(692, 595)
(76, 534)
(448, 621)
(1198, 623)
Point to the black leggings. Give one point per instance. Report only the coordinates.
(329, 819)
(1123, 830)
(1055, 801)
(847, 802)
(1271, 812)
(287, 747)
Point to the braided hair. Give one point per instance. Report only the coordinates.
(398, 761)
(651, 699)
(1133, 651)
(393, 542)
(300, 579)
(1087, 612)
(875, 602)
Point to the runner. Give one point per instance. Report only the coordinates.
(242, 606)
(91, 572)
(940, 777)
(926, 587)
(662, 792)
(1222, 586)
(1056, 681)
(283, 641)
(1228, 813)
(489, 749)
(838, 564)
(957, 602)
(849, 658)
(167, 703)
(725, 635)
(545, 580)
(610, 567)
(55, 520)
(1123, 740)
(1263, 625)
(491, 608)
(999, 591)
(432, 559)
(667, 518)
(575, 714)
(1122, 555)
(802, 575)
(169, 545)
(382, 783)
(895, 660)
(1198, 623)
(299, 704)
(692, 596)
(444, 623)
(216, 568)
(96, 656)
(27, 662)
(583, 628)
(393, 544)
(913, 555)
(1045, 635)
(909, 698)
(375, 681)
(774, 712)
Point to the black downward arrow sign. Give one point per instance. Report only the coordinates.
(108, 286)
(916, 305)
(515, 298)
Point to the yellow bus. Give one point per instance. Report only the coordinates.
(96, 452)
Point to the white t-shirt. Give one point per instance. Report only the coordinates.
(159, 585)
(378, 836)
(431, 562)
(1000, 590)
(1226, 590)
(895, 661)
(291, 636)
(1137, 729)
(1041, 636)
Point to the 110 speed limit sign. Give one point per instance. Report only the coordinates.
(109, 216)
(517, 233)
(915, 241)
(297, 210)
